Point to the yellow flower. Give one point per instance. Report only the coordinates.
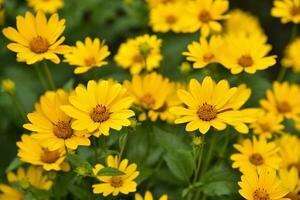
(8, 86)
(291, 58)
(247, 53)
(116, 184)
(148, 196)
(10, 193)
(36, 38)
(46, 6)
(204, 52)
(34, 176)
(283, 100)
(210, 104)
(267, 124)
(289, 151)
(255, 154)
(99, 107)
(287, 10)
(206, 15)
(290, 180)
(30, 151)
(87, 55)
(154, 3)
(262, 185)
(140, 53)
(51, 126)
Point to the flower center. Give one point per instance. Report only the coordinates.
(261, 194)
(295, 10)
(208, 57)
(63, 130)
(116, 181)
(245, 61)
(207, 112)
(171, 19)
(148, 99)
(100, 114)
(90, 61)
(39, 45)
(283, 107)
(138, 59)
(256, 159)
(49, 156)
(265, 127)
(204, 16)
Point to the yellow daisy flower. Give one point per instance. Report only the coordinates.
(87, 55)
(140, 53)
(262, 185)
(255, 154)
(30, 151)
(283, 100)
(51, 126)
(33, 176)
(247, 53)
(10, 193)
(286, 10)
(206, 15)
(148, 196)
(289, 151)
(46, 6)
(290, 180)
(36, 38)
(116, 184)
(99, 106)
(204, 52)
(291, 58)
(210, 104)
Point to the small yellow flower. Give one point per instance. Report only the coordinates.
(8, 86)
(10, 193)
(36, 38)
(291, 58)
(116, 184)
(289, 151)
(286, 10)
(87, 55)
(46, 6)
(148, 196)
(290, 180)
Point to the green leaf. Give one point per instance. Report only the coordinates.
(78, 162)
(110, 171)
(38, 193)
(14, 164)
(68, 86)
(79, 192)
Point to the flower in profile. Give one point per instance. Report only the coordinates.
(46, 6)
(87, 55)
(286, 10)
(30, 151)
(206, 15)
(255, 154)
(8, 86)
(140, 53)
(291, 58)
(247, 53)
(262, 185)
(116, 184)
(204, 52)
(148, 196)
(213, 104)
(283, 100)
(290, 180)
(10, 193)
(289, 151)
(37, 39)
(99, 106)
(51, 126)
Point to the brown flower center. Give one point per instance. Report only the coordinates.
(261, 194)
(284, 107)
(256, 159)
(295, 10)
(63, 130)
(148, 100)
(245, 61)
(204, 16)
(171, 19)
(138, 59)
(292, 196)
(116, 181)
(208, 57)
(90, 61)
(100, 114)
(39, 45)
(49, 156)
(265, 127)
(207, 112)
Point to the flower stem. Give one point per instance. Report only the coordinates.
(41, 77)
(19, 106)
(210, 152)
(49, 76)
(123, 146)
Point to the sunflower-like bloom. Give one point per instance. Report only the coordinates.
(33, 176)
(206, 15)
(140, 53)
(46, 5)
(148, 196)
(10, 193)
(291, 58)
(116, 184)
(30, 151)
(289, 151)
(51, 126)
(247, 53)
(283, 100)
(36, 38)
(256, 154)
(99, 106)
(290, 180)
(210, 104)
(87, 55)
(204, 52)
(262, 185)
(286, 10)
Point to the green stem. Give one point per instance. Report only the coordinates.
(123, 146)
(227, 135)
(41, 77)
(95, 147)
(49, 76)
(210, 152)
(19, 106)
